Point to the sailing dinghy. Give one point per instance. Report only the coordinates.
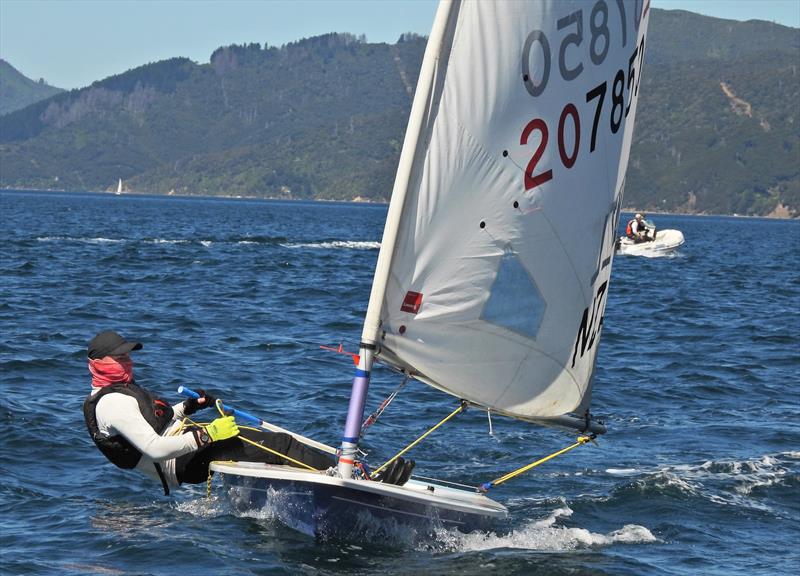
(494, 266)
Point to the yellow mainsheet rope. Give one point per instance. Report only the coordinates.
(218, 405)
(458, 410)
(581, 440)
(251, 442)
(271, 451)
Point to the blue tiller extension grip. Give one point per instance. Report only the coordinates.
(184, 391)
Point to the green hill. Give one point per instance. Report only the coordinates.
(318, 118)
(718, 126)
(17, 91)
(324, 117)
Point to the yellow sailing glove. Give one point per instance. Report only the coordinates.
(222, 428)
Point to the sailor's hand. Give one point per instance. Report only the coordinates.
(192, 405)
(222, 428)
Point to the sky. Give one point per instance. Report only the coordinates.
(72, 43)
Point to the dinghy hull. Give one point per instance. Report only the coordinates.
(328, 507)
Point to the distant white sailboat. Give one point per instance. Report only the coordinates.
(119, 187)
(496, 256)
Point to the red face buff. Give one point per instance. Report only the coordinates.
(110, 370)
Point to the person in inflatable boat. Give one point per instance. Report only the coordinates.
(636, 229)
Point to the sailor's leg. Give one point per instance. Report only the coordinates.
(284, 444)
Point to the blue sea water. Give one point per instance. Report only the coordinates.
(697, 380)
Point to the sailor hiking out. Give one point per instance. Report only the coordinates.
(136, 430)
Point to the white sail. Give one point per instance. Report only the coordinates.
(492, 278)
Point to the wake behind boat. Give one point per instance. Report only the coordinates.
(519, 135)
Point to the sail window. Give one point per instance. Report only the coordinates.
(514, 301)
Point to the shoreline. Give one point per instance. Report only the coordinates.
(357, 200)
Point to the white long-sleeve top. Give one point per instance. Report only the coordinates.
(119, 414)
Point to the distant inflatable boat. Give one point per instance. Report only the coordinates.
(659, 242)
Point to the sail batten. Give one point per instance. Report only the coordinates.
(494, 268)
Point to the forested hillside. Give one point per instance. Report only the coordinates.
(718, 125)
(17, 91)
(717, 130)
(319, 118)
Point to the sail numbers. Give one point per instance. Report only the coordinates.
(572, 26)
(570, 120)
(614, 103)
(591, 322)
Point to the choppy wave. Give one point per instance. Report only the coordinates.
(671, 254)
(277, 510)
(88, 240)
(103, 240)
(726, 481)
(336, 244)
(734, 482)
(544, 535)
(622, 471)
(204, 507)
(248, 240)
(165, 241)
